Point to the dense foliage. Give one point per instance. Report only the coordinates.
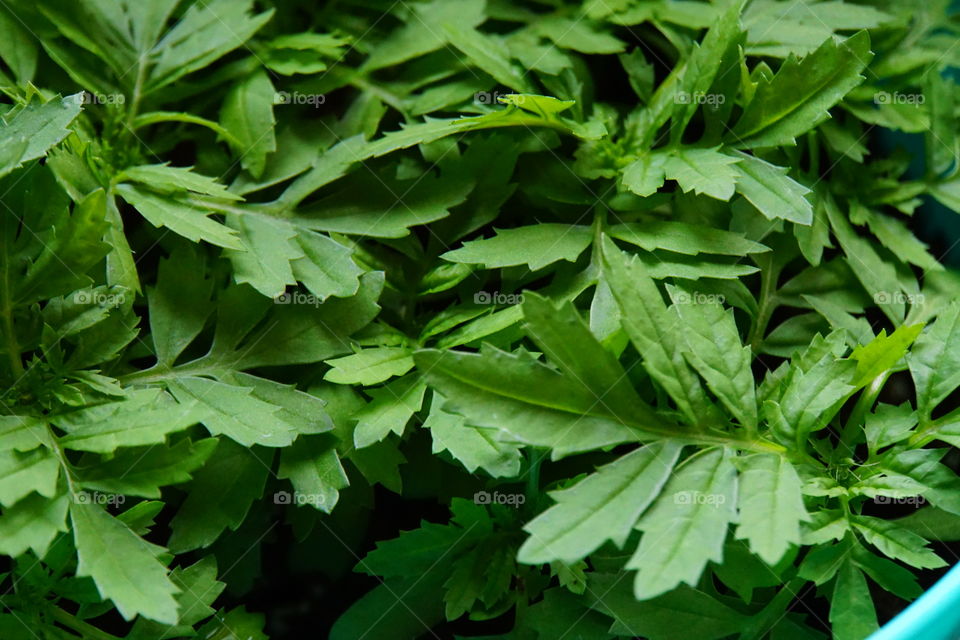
(622, 297)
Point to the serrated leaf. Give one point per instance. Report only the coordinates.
(143, 417)
(772, 191)
(799, 96)
(535, 246)
(234, 411)
(603, 506)
(125, 568)
(770, 505)
(247, 114)
(686, 526)
(704, 171)
(370, 366)
(219, 496)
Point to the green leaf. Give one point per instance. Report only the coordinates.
(530, 402)
(897, 543)
(125, 568)
(166, 179)
(715, 351)
(143, 417)
(681, 237)
(179, 304)
(535, 246)
(472, 446)
(32, 523)
(312, 466)
(141, 472)
(234, 411)
(934, 361)
(219, 496)
(799, 96)
(370, 366)
(568, 343)
(878, 277)
(653, 332)
(883, 352)
(206, 32)
(703, 171)
(645, 175)
(247, 114)
(390, 410)
(27, 133)
(772, 191)
(687, 525)
(181, 216)
(770, 505)
(603, 506)
(852, 612)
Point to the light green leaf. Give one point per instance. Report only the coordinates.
(27, 133)
(935, 361)
(771, 506)
(772, 191)
(143, 417)
(799, 96)
(472, 446)
(391, 408)
(234, 411)
(370, 366)
(125, 568)
(688, 239)
(603, 506)
(703, 171)
(312, 466)
(32, 523)
(535, 246)
(530, 402)
(645, 175)
(715, 351)
(852, 612)
(653, 332)
(897, 543)
(184, 218)
(687, 525)
(247, 113)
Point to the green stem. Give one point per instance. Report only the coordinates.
(198, 367)
(761, 623)
(137, 94)
(64, 463)
(533, 475)
(852, 429)
(6, 310)
(87, 631)
(765, 306)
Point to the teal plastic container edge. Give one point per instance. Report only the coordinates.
(933, 616)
